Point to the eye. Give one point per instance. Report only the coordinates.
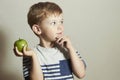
(61, 22)
(53, 23)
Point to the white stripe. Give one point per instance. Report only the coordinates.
(25, 72)
(55, 70)
(26, 75)
(51, 67)
(59, 77)
(70, 79)
(53, 74)
(25, 69)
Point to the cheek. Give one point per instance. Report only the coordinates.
(50, 34)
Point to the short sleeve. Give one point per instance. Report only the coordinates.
(26, 67)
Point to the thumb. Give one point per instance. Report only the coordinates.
(25, 49)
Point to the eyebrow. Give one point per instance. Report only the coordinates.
(56, 20)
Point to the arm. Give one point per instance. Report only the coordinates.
(77, 64)
(35, 71)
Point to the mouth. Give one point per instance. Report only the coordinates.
(59, 34)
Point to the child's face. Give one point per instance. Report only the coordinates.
(52, 27)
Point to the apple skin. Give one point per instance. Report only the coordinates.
(20, 44)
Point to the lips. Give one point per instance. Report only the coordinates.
(59, 34)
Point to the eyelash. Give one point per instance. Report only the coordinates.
(54, 23)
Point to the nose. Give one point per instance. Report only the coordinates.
(60, 27)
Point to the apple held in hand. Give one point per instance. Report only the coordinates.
(20, 44)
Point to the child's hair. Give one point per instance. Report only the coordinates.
(39, 11)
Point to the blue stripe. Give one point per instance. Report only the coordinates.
(27, 64)
(27, 78)
(51, 72)
(49, 65)
(50, 68)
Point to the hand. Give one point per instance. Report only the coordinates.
(25, 52)
(64, 41)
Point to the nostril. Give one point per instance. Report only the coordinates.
(60, 28)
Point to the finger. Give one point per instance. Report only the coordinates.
(14, 50)
(28, 49)
(17, 53)
(59, 40)
(63, 43)
(24, 49)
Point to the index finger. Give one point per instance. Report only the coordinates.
(17, 53)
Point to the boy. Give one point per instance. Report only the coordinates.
(54, 58)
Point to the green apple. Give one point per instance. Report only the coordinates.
(20, 44)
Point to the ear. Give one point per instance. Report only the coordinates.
(36, 29)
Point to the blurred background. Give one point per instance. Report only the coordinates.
(93, 26)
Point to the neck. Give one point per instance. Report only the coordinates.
(46, 44)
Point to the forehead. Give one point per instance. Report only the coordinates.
(54, 17)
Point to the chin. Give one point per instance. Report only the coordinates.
(53, 40)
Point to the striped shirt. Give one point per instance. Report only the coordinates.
(55, 64)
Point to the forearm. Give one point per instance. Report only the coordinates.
(78, 66)
(36, 72)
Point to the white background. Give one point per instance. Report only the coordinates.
(93, 26)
